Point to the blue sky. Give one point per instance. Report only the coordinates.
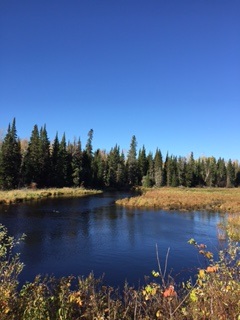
(166, 71)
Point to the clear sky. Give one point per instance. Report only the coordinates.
(166, 71)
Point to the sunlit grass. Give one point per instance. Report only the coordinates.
(12, 196)
(224, 200)
(233, 227)
(188, 199)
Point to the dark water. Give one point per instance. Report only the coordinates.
(80, 235)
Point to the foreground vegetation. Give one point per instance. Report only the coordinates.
(13, 196)
(214, 294)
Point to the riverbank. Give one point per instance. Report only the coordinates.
(226, 200)
(22, 195)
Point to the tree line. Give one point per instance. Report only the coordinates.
(39, 163)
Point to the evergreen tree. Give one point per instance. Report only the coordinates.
(181, 171)
(121, 171)
(63, 164)
(150, 172)
(166, 172)
(221, 173)
(55, 162)
(44, 158)
(142, 163)
(173, 172)
(190, 172)
(158, 168)
(230, 174)
(99, 169)
(31, 160)
(10, 158)
(113, 160)
(132, 163)
(200, 172)
(87, 158)
(77, 163)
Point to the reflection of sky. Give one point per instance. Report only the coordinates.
(80, 235)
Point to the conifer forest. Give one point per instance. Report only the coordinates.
(38, 163)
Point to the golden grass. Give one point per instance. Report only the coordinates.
(13, 196)
(233, 227)
(225, 200)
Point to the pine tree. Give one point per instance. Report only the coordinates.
(10, 158)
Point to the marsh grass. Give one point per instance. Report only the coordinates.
(187, 199)
(224, 200)
(21, 195)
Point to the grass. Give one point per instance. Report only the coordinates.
(21, 195)
(226, 200)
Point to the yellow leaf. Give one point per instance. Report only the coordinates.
(158, 314)
(201, 273)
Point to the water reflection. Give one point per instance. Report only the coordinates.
(79, 235)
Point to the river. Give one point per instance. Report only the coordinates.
(75, 236)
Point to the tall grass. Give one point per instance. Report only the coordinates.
(211, 199)
(21, 195)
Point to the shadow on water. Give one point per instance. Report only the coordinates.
(80, 235)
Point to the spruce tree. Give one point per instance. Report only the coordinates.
(99, 169)
(87, 158)
(132, 162)
(44, 158)
(190, 172)
(54, 162)
(63, 178)
(10, 158)
(77, 163)
(142, 163)
(221, 173)
(158, 168)
(230, 174)
(31, 160)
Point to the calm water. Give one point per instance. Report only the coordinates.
(80, 235)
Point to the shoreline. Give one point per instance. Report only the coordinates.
(22, 195)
